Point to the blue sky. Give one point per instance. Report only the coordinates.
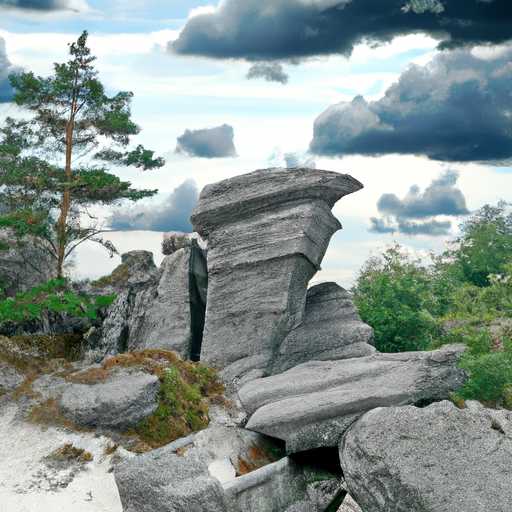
(428, 132)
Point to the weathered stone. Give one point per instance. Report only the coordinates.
(331, 329)
(22, 266)
(158, 315)
(10, 378)
(164, 482)
(267, 233)
(124, 399)
(349, 505)
(434, 459)
(282, 486)
(51, 323)
(312, 404)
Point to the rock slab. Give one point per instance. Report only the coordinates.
(331, 329)
(436, 459)
(311, 405)
(267, 232)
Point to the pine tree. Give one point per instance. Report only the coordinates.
(48, 174)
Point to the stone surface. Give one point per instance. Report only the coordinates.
(164, 482)
(349, 505)
(434, 459)
(331, 329)
(267, 232)
(120, 401)
(312, 404)
(155, 314)
(10, 378)
(282, 486)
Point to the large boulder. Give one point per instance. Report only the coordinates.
(165, 482)
(285, 486)
(121, 400)
(313, 404)
(436, 459)
(331, 329)
(267, 232)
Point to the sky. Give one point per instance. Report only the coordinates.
(411, 98)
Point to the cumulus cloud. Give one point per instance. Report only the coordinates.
(456, 108)
(270, 71)
(171, 215)
(266, 30)
(42, 5)
(278, 158)
(416, 213)
(6, 68)
(208, 143)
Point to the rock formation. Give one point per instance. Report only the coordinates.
(312, 404)
(267, 233)
(299, 364)
(439, 458)
(198, 473)
(156, 308)
(330, 330)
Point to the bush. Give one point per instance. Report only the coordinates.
(54, 296)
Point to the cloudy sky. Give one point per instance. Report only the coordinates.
(412, 98)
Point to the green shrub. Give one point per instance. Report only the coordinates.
(54, 296)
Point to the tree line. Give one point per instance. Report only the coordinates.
(462, 295)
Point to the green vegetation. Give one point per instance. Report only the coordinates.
(48, 180)
(54, 296)
(462, 296)
(186, 390)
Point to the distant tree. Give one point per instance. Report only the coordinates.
(45, 194)
(393, 295)
(485, 246)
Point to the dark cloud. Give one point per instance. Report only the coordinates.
(37, 5)
(270, 71)
(456, 108)
(6, 68)
(172, 215)
(208, 142)
(415, 213)
(265, 30)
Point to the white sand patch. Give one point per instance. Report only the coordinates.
(29, 484)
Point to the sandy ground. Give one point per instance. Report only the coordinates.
(31, 483)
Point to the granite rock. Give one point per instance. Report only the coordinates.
(156, 313)
(267, 232)
(163, 481)
(436, 459)
(331, 329)
(311, 405)
(285, 486)
(124, 398)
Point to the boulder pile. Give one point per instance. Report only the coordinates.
(312, 409)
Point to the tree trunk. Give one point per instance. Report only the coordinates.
(66, 197)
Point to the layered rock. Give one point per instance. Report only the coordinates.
(157, 308)
(434, 459)
(330, 330)
(312, 405)
(267, 232)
